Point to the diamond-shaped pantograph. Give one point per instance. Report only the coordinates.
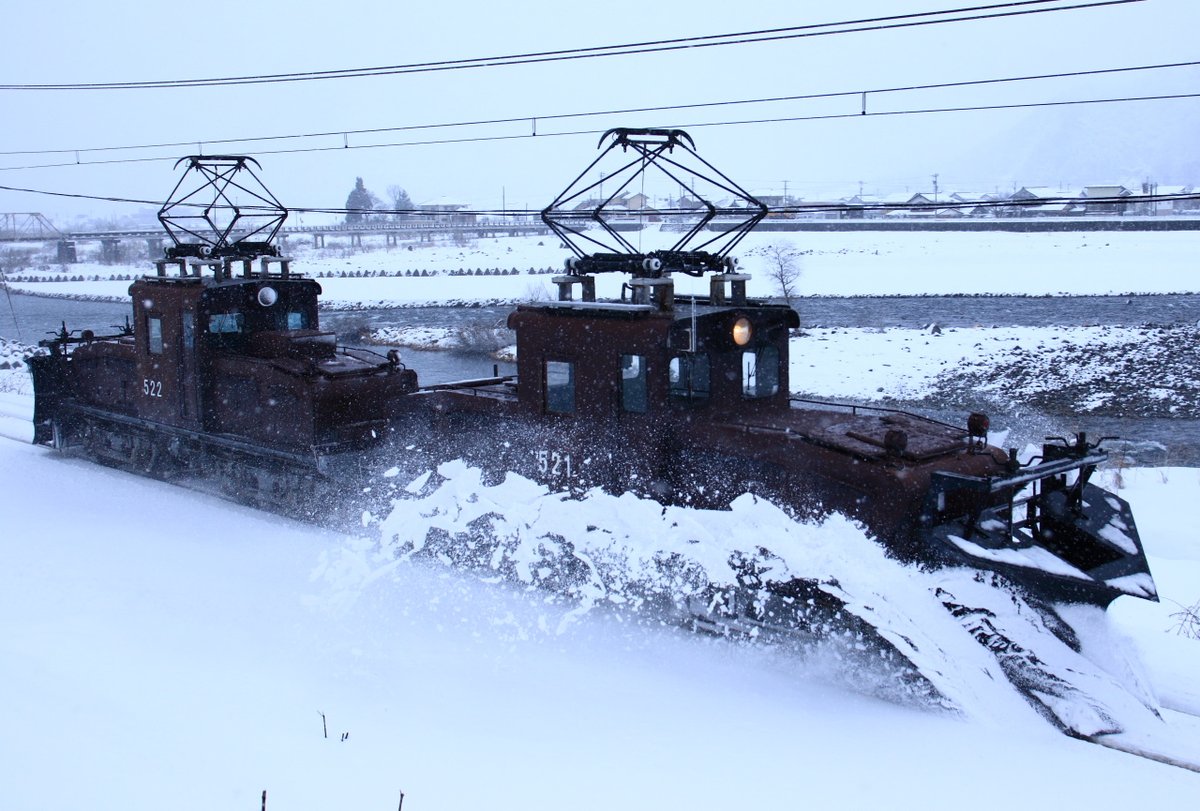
(219, 207)
(646, 176)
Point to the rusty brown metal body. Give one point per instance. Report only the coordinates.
(224, 373)
(219, 374)
(672, 401)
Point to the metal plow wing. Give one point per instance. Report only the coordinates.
(1045, 526)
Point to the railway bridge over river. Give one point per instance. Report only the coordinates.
(33, 227)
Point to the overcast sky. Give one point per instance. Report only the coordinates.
(125, 40)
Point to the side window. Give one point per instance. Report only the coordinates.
(154, 331)
(560, 387)
(189, 329)
(225, 323)
(760, 372)
(689, 376)
(633, 383)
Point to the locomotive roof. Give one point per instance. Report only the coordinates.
(685, 309)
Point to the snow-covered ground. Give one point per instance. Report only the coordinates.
(1087, 370)
(831, 264)
(161, 648)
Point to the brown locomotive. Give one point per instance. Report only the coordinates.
(221, 375)
(226, 376)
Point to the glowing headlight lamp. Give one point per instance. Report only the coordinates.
(742, 331)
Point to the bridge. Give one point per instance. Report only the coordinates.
(36, 228)
(32, 227)
(26, 227)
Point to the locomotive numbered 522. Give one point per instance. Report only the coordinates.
(221, 374)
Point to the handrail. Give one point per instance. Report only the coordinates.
(1030, 474)
(854, 408)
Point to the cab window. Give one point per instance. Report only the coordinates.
(154, 333)
(689, 376)
(224, 323)
(760, 372)
(560, 387)
(633, 383)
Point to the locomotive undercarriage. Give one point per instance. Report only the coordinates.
(309, 486)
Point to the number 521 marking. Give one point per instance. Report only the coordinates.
(553, 463)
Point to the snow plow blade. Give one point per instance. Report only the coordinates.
(1044, 526)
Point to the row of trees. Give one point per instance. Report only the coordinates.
(363, 205)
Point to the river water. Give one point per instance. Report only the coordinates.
(30, 318)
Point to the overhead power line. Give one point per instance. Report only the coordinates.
(799, 208)
(939, 17)
(672, 124)
(346, 133)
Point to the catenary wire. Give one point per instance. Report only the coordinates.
(690, 125)
(601, 113)
(940, 17)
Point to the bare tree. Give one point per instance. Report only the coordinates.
(783, 268)
(1187, 620)
(400, 201)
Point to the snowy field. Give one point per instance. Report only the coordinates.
(831, 264)
(1088, 370)
(163, 649)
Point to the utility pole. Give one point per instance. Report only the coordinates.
(935, 187)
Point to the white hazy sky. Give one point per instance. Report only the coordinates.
(127, 40)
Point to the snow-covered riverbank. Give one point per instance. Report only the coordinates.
(830, 264)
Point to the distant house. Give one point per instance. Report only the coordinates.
(901, 204)
(1160, 207)
(687, 203)
(1041, 201)
(442, 209)
(622, 206)
(823, 210)
(908, 205)
(975, 204)
(1105, 199)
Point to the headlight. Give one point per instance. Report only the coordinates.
(742, 331)
(267, 296)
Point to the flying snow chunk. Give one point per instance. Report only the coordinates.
(417, 484)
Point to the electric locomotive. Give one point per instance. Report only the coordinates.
(224, 375)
